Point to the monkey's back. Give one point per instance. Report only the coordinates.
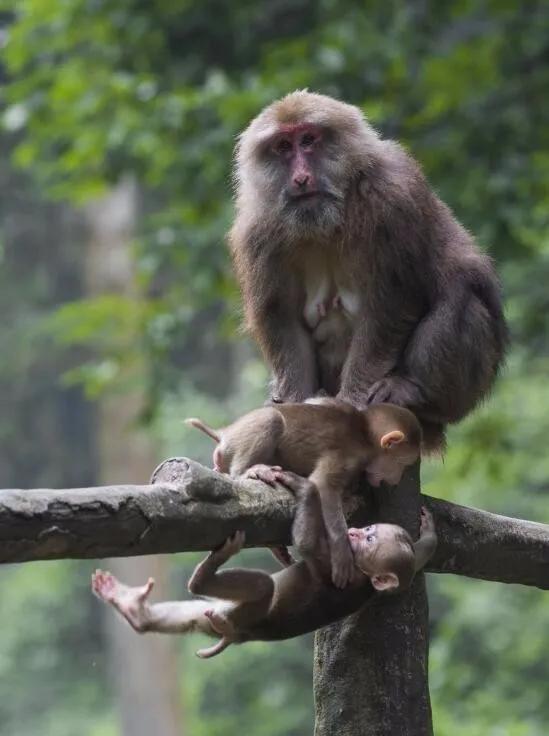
(313, 430)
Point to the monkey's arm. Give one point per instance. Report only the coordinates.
(308, 530)
(272, 307)
(373, 353)
(426, 545)
(330, 477)
(432, 378)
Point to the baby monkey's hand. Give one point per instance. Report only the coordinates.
(427, 523)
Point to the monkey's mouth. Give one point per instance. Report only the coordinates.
(306, 196)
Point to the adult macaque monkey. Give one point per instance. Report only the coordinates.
(330, 442)
(250, 605)
(356, 278)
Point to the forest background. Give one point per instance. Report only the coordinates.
(120, 315)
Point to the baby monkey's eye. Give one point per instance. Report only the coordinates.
(370, 537)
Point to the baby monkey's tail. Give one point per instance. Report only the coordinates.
(199, 424)
(222, 644)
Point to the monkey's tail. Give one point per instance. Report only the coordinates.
(221, 645)
(199, 424)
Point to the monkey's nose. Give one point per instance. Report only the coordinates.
(301, 180)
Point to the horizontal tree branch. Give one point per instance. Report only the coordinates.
(189, 507)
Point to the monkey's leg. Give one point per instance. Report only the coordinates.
(239, 585)
(253, 440)
(331, 477)
(169, 617)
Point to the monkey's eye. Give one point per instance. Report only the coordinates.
(370, 537)
(308, 139)
(283, 146)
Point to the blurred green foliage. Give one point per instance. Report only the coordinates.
(98, 90)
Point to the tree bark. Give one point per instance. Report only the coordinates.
(190, 507)
(370, 669)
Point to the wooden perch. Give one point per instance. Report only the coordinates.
(189, 507)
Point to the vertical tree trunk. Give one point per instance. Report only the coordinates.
(144, 669)
(370, 670)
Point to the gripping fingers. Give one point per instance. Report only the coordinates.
(427, 521)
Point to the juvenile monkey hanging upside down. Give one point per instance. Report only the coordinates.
(329, 441)
(250, 605)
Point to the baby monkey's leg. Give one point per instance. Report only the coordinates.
(170, 617)
(239, 585)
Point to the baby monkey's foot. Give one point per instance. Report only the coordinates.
(266, 473)
(295, 483)
(130, 602)
(230, 547)
(282, 554)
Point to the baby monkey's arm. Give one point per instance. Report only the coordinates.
(331, 476)
(308, 530)
(427, 542)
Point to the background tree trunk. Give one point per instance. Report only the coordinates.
(144, 670)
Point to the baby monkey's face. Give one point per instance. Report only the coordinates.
(367, 542)
(383, 552)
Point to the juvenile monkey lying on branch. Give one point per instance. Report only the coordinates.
(327, 440)
(250, 605)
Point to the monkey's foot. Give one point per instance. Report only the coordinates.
(395, 390)
(230, 547)
(293, 482)
(129, 602)
(343, 565)
(281, 553)
(266, 473)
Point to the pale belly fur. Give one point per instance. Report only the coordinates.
(331, 309)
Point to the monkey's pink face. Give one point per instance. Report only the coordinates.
(303, 157)
(297, 147)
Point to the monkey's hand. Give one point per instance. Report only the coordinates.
(427, 523)
(343, 564)
(425, 546)
(130, 602)
(395, 390)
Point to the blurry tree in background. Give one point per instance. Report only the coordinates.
(99, 90)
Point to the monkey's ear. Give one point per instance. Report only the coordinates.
(391, 438)
(385, 581)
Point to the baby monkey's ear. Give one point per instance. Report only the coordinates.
(391, 438)
(385, 581)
